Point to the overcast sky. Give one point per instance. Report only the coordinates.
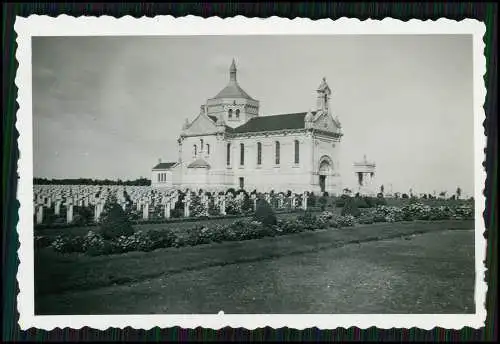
(109, 107)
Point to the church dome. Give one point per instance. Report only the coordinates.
(233, 89)
(199, 163)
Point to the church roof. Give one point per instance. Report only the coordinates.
(164, 165)
(199, 163)
(232, 90)
(272, 123)
(214, 118)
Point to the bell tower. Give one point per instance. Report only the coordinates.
(232, 103)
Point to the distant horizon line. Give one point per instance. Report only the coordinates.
(433, 192)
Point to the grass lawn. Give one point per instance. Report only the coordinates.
(411, 267)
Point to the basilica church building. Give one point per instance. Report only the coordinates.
(231, 145)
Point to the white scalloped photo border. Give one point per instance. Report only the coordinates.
(167, 25)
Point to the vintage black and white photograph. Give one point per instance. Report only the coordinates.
(244, 174)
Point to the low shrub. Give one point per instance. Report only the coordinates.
(388, 214)
(340, 202)
(327, 215)
(308, 220)
(197, 208)
(290, 226)
(311, 200)
(361, 203)
(66, 244)
(217, 233)
(334, 222)
(264, 213)
(350, 208)
(323, 201)
(79, 220)
(42, 241)
(233, 206)
(161, 238)
(366, 219)
(465, 212)
(177, 213)
(440, 213)
(95, 245)
(379, 218)
(255, 230)
(247, 206)
(196, 235)
(346, 221)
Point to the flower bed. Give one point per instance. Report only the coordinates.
(242, 229)
(247, 229)
(418, 211)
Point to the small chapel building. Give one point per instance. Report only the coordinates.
(230, 145)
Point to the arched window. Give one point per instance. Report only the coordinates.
(228, 154)
(277, 152)
(230, 113)
(242, 154)
(208, 148)
(195, 150)
(259, 153)
(201, 145)
(237, 113)
(297, 154)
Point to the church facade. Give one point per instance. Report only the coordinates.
(230, 145)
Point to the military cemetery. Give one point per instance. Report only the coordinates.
(251, 212)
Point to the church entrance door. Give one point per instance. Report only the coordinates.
(322, 182)
(325, 169)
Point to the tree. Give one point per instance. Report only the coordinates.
(458, 192)
(115, 222)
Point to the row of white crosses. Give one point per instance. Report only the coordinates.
(143, 197)
(46, 196)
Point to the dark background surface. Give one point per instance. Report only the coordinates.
(486, 12)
